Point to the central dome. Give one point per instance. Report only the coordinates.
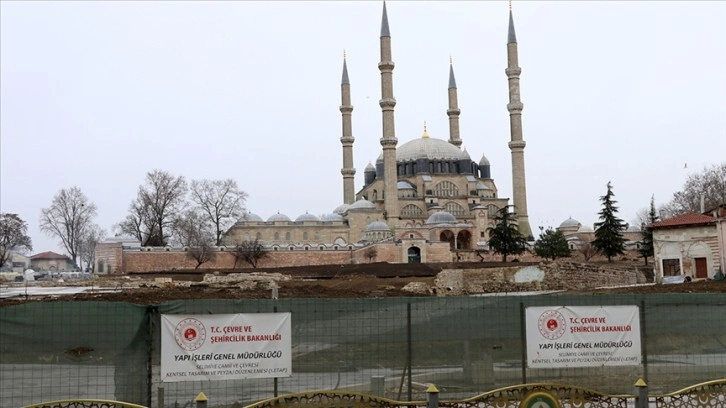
(429, 148)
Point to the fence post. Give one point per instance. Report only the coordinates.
(201, 400)
(641, 394)
(160, 397)
(378, 386)
(432, 397)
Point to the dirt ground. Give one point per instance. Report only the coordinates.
(330, 281)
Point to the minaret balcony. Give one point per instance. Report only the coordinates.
(386, 65)
(513, 71)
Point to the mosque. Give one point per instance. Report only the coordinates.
(422, 201)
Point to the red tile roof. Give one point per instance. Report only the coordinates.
(685, 219)
(49, 255)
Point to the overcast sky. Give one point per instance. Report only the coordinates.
(95, 94)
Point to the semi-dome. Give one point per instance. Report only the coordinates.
(248, 216)
(404, 185)
(570, 223)
(429, 148)
(306, 217)
(481, 186)
(441, 217)
(361, 204)
(378, 226)
(331, 217)
(278, 217)
(341, 209)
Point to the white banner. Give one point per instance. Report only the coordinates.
(225, 346)
(583, 336)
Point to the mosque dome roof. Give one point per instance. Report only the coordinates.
(378, 226)
(331, 217)
(306, 217)
(429, 148)
(484, 161)
(341, 209)
(585, 228)
(441, 217)
(278, 217)
(404, 185)
(248, 216)
(570, 223)
(361, 204)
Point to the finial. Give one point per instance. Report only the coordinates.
(512, 36)
(385, 31)
(426, 132)
(510, 5)
(345, 79)
(451, 60)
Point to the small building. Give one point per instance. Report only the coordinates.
(690, 244)
(52, 262)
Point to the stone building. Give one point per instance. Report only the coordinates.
(423, 201)
(691, 245)
(425, 191)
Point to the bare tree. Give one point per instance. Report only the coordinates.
(157, 204)
(221, 201)
(193, 231)
(709, 184)
(371, 253)
(68, 218)
(90, 240)
(137, 223)
(250, 252)
(13, 236)
(588, 251)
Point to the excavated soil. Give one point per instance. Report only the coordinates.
(329, 281)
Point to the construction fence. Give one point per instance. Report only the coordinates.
(391, 347)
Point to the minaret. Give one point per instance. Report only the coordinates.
(346, 109)
(517, 143)
(388, 141)
(453, 110)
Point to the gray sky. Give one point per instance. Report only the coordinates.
(96, 94)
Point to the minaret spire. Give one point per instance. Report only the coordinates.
(453, 110)
(517, 143)
(388, 139)
(347, 139)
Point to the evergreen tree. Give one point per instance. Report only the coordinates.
(609, 239)
(646, 244)
(552, 244)
(504, 237)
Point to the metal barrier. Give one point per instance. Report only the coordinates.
(510, 397)
(84, 403)
(711, 394)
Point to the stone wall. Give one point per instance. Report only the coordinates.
(544, 276)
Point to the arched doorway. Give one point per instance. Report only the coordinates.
(414, 255)
(448, 236)
(463, 240)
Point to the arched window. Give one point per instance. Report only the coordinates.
(492, 210)
(411, 211)
(446, 189)
(287, 236)
(454, 209)
(277, 236)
